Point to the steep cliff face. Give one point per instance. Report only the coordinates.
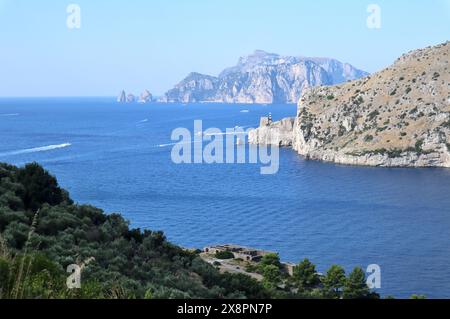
(263, 78)
(279, 133)
(397, 117)
(195, 87)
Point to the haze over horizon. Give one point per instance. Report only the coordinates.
(153, 45)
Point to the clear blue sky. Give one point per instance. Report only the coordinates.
(139, 44)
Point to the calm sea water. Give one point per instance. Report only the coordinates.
(353, 216)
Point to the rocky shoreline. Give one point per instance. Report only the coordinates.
(281, 134)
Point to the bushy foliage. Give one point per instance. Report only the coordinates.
(305, 275)
(334, 282)
(42, 232)
(355, 286)
(224, 255)
(124, 262)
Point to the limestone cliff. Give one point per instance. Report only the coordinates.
(262, 78)
(397, 117)
(194, 88)
(276, 133)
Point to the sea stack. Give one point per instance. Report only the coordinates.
(146, 97)
(130, 98)
(122, 97)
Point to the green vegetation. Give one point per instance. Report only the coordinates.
(418, 146)
(355, 286)
(224, 255)
(334, 282)
(446, 124)
(418, 297)
(306, 276)
(413, 111)
(42, 232)
(360, 100)
(368, 138)
(373, 115)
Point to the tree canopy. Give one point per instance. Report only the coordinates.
(42, 232)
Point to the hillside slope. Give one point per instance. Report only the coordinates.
(43, 231)
(397, 117)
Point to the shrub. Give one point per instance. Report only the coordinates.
(40, 187)
(446, 124)
(271, 259)
(372, 115)
(418, 146)
(224, 255)
(414, 110)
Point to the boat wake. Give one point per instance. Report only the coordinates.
(178, 143)
(10, 114)
(36, 149)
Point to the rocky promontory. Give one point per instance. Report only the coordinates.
(398, 117)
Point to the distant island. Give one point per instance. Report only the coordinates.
(398, 117)
(263, 78)
(260, 78)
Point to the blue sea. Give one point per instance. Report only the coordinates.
(115, 156)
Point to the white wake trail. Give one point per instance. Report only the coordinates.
(10, 114)
(36, 149)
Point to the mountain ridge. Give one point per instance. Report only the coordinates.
(262, 77)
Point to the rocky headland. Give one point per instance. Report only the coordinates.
(398, 117)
